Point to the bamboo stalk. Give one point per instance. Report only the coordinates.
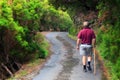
(94, 62)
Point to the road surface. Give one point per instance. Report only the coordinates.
(65, 62)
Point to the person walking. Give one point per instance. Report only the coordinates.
(85, 44)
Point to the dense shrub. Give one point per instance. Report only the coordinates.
(108, 44)
(109, 38)
(20, 20)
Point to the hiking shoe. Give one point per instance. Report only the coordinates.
(89, 68)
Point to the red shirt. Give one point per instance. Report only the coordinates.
(86, 35)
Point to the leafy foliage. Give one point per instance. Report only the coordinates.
(56, 19)
(109, 47)
(109, 38)
(107, 23)
(20, 20)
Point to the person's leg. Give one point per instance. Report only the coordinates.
(89, 59)
(84, 58)
(89, 63)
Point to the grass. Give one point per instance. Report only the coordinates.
(72, 37)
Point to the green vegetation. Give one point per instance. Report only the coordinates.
(20, 22)
(108, 36)
(106, 23)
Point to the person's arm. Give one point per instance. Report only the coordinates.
(93, 42)
(78, 43)
(78, 40)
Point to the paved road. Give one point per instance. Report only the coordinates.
(65, 63)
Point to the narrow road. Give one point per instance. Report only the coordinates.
(65, 62)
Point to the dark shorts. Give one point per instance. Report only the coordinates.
(85, 50)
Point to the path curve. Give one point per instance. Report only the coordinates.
(65, 62)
